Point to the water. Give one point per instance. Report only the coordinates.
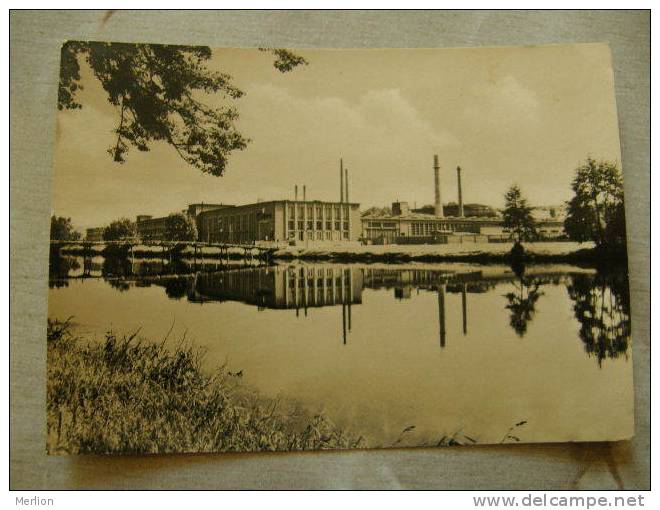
(446, 348)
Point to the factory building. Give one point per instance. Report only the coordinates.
(404, 226)
(153, 229)
(314, 222)
(450, 223)
(150, 228)
(277, 220)
(94, 234)
(291, 221)
(281, 221)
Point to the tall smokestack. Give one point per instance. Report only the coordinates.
(341, 180)
(460, 192)
(438, 200)
(346, 183)
(296, 193)
(304, 192)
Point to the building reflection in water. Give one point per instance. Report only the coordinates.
(440, 282)
(296, 288)
(304, 287)
(600, 300)
(279, 287)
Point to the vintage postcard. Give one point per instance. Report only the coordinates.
(281, 249)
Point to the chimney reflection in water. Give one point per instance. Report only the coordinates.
(312, 287)
(343, 321)
(464, 307)
(441, 311)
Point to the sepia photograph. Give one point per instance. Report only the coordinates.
(269, 249)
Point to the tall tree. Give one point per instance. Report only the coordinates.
(518, 219)
(596, 211)
(119, 230)
(158, 91)
(61, 229)
(180, 227)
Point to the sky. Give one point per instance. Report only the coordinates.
(527, 115)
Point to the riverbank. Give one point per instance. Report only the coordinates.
(131, 396)
(152, 251)
(481, 253)
(125, 396)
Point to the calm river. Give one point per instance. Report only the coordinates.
(444, 348)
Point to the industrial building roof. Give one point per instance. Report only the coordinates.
(429, 217)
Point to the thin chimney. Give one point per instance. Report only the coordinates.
(346, 183)
(438, 200)
(341, 180)
(296, 193)
(304, 193)
(460, 192)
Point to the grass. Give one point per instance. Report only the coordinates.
(126, 396)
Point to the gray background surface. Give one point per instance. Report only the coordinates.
(35, 40)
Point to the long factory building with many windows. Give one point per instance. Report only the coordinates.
(290, 221)
(312, 222)
(281, 221)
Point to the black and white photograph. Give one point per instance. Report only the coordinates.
(282, 249)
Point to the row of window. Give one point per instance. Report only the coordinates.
(244, 222)
(309, 210)
(321, 297)
(310, 272)
(381, 224)
(422, 228)
(309, 225)
(319, 235)
(301, 283)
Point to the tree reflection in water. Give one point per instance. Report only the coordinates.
(115, 271)
(177, 287)
(59, 268)
(522, 301)
(601, 304)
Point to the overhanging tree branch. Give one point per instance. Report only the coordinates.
(156, 85)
